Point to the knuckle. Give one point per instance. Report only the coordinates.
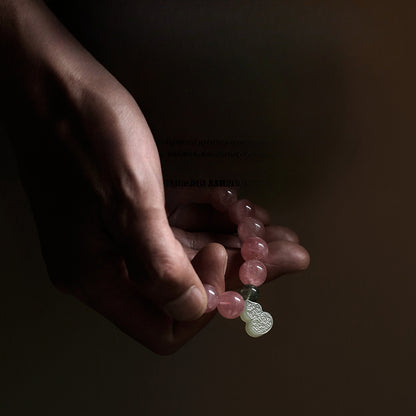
(169, 270)
(119, 204)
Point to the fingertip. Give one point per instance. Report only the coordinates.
(189, 306)
(219, 251)
(211, 264)
(302, 258)
(286, 257)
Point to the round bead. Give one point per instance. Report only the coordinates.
(230, 305)
(253, 272)
(212, 297)
(251, 227)
(240, 210)
(250, 292)
(254, 248)
(223, 198)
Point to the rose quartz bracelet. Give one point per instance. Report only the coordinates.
(252, 273)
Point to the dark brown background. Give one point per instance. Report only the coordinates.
(331, 85)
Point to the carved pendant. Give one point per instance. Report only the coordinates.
(257, 322)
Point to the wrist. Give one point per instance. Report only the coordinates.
(44, 62)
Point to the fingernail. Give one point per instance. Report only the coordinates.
(188, 306)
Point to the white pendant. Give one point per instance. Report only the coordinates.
(257, 322)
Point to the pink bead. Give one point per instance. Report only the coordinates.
(254, 248)
(230, 305)
(251, 227)
(223, 198)
(240, 210)
(253, 272)
(212, 297)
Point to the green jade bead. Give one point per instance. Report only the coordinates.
(250, 292)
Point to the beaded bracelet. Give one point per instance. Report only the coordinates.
(252, 272)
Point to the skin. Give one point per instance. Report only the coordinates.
(110, 234)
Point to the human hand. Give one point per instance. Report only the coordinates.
(89, 164)
(196, 222)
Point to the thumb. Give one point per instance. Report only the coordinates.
(157, 262)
